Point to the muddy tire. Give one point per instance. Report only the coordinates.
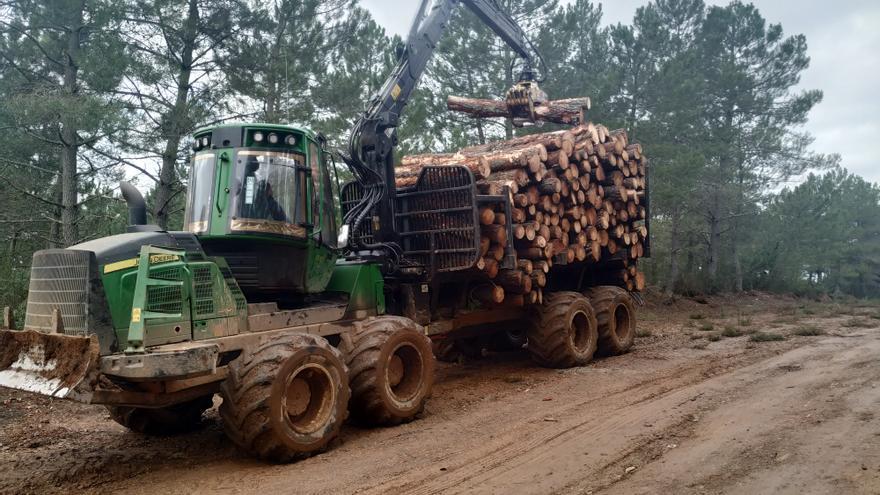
(512, 338)
(616, 317)
(286, 399)
(445, 350)
(391, 368)
(562, 331)
(171, 420)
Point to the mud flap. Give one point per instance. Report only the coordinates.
(57, 365)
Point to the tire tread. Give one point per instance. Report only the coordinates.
(246, 391)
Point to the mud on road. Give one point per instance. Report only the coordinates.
(707, 402)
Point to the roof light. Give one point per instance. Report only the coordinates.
(205, 141)
(273, 138)
(290, 140)
(258, 136)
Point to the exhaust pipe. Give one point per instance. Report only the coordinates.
(137, 207)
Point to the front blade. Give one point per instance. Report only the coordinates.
(62, 366)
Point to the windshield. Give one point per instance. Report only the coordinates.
(201, 193)
(268, 196)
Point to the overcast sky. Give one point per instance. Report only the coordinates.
(844, 44)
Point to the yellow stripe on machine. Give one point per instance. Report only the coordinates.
(120, 265)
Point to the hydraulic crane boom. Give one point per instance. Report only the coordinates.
(374, 136)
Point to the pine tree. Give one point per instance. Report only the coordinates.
(63, 58)
(174, 86)
(752, 114)
(361, 58)
(280, 55)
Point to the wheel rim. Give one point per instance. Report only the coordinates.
(308, 398)
(580, 331)
(403, 372)
(621, 321)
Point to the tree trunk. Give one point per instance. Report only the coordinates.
(673, 255)
(177, 122)
(273, 112)
(737, 264)
(55, 239)
(714, 241)
(70, 144)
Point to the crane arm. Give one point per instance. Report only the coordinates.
(372, 140)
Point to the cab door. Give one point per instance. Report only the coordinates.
(323, 253)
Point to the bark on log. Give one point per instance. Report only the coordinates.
(408, 175)
(558, 112)
(496, 251)
(490, 267)
(495, 233)
(574, 197)
(488, 294)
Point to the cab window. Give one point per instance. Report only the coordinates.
(200, 195)
(323, 199)
(328, 222)
(268, 197)
(315, 165)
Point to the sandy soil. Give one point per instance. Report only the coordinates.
(694, 408)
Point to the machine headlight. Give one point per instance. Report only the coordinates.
(291, 140)
(258, 137)
(273, 138)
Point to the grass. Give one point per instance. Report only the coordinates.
(859, 323)
(699, 345)
(766, 337)
(696, 336)
(707, 327)
(730, 331)
(789, 310)
(697, 316)
(744, 321)
(643, 332)
(714, 337)
(850, 310)
(785, 320)
(808, 331)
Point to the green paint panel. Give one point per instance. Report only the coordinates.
(363, 283)
(207, 303)
(220, 209)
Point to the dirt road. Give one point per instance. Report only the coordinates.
(695, 408)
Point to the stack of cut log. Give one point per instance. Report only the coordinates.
(577, 196)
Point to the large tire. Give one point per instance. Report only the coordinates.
(286, 399)
(512, 338)
(445, 350)
(171, 420)
(562, 331)
(392, 370)
(616, 316)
